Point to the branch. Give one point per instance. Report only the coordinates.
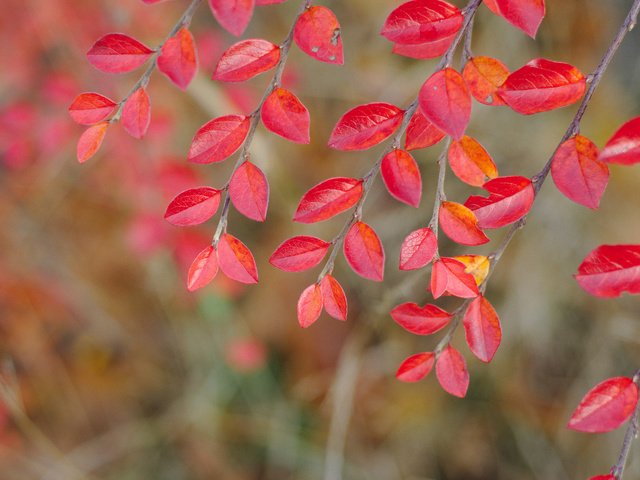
(255, 120)
(370, 176)
(631, 434)
(184, 21)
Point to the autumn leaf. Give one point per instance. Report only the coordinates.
(218, 139)
(610, 270)
(246, 59)
(527, 15)
(232, 15)
(624, 146)
(249, 191)
(445, 101)
(299, 253)
(91, 108)
(421, 320)
(285, 115)
(418, 249)
(606, 406)
(448, 277)
(421, 133)
(401, 176)
(90, 141)
(317, 33)
(118, 53)
(236, 260)
(482, 329)
(460, 224)
(178, 59)
(193, 206)
(203, 269)
(510, 199)
(451, 371)
(483, 76)
(328, 199)
(333, 298)
(470, 162)
(364, 126)
(364, 252)
(424, 51)
(416, 367)
(309, 305)
(136, 114)
(420, 21)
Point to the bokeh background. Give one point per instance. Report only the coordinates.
(111, 370)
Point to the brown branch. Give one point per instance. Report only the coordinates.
(630, 435)
(285, 46)
(370, 176)
(184, 21)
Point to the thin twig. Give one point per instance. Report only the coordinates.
(631, 434)
(255, 120)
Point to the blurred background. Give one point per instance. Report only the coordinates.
(112, 370)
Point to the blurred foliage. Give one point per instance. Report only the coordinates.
(123, 375)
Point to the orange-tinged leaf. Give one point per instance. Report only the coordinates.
(542, 85)
(401, 176)
(526, 15)
(299, 253)
(470, 161)
(90, 108)
(246, 59)
(309, 305)
(333, 297)
(203, 269)
(484, 75)
(421, 320)
(218, 139)
(364, 252)
(610, 270)
(451, 371)
(416, 367)
(364, 126)
(118, 53)
(317, 33)
(445, 102)
(328, 199)
(249, 191)
(606, 406)
(90, 141)
(624, 146)
(232, 15)
(578, 173)
(482, 329)
(510, 199)
(420, 21)
(476, 265)
(418, 249)
(193, 206)
(460, 224)
(136, 113)
(285, 115)
(421, 133)
(448, 277)
(236, 260)
(178, 59)
(423, 51)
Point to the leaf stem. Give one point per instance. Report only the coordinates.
(630, 435)
(276, 80)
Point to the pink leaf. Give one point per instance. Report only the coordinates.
(91, 108)
(610, 270)
(510, 199)
(482, 329)
(365, 126)
(624, 145)
(421, 320)
(334, 299)
(451, 370)
(364, 252)
(418, 249)
(420, 21)
(299, 253)
(317, 33)
(421, 133)
(328, 199)
(232, 15)
(416, 367)
(401, 176)
(309, 305)
(178, 59)
(218, 139)
(118, 53)
(246, 59)
(249, 191)
(90, 141)
(193, 206)
(203, 269)
(445, 101)
(136, 113)
(448, 277)
(236, 260)
(285, 115)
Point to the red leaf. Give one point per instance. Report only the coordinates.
(578, 173)
(445, 102)
(309, 305)
(418, 249)
(334, 299)
(236, 260)
(317, 33)
(364, 252)
(483, 76)
(299, 253)
(482, 329)
(448, 277)
(421, 133)
(423, 51)
(136, 113)
(249, 191)
(193, 206)
(232, 15)
(178, 59)
(420, 320)
(218, 139)
(542, 85)
(460, 224)
(526, 15)
(606, 406)
(603, 477)
(328, 199)
(624, 146)
(470, 161)
(118, 53)
(246, 59)
(90, 141)
(285, 115)
(203, 269)
(420, 21)
(610, 270)
(451, 370)
(510, 199)
(416, 367)
(364, 126)
(401, 176)
(90, 108)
